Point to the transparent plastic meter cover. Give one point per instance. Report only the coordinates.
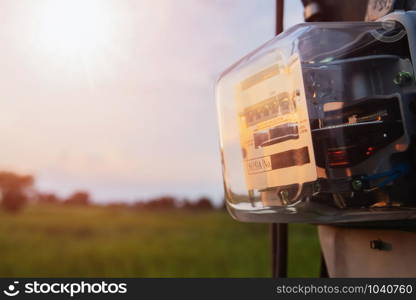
(315, 126)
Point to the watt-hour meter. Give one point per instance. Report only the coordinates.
(317, 125)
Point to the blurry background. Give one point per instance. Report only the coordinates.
(109, 164)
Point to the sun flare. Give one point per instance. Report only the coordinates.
(74, 27)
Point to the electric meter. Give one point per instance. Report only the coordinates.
(318, 124)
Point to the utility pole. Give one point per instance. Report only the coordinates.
(279, 231)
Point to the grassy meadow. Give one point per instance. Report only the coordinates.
(94, 241)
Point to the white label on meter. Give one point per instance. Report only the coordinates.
(275, 133)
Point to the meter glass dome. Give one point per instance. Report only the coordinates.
(317, 126)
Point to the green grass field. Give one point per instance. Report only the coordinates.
(63, 241)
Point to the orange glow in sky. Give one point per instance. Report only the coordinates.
(116, 97)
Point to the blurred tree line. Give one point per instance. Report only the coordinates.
(168, 202)
(17, 190)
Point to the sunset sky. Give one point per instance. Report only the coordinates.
(117, 96)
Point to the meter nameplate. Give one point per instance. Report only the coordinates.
(275, 133)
